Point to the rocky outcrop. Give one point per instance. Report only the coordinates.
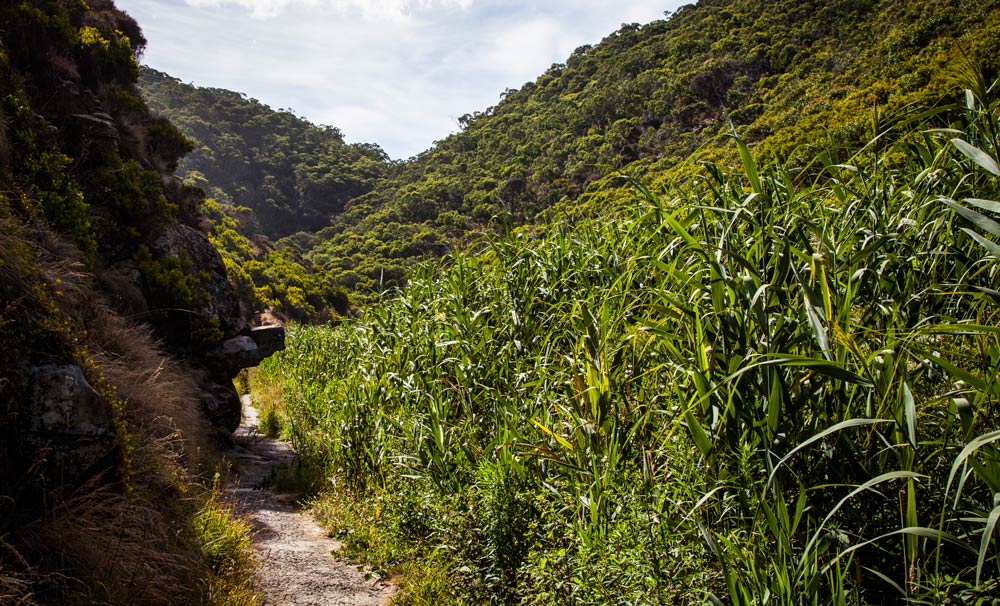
(181, 240)
(249, 350)
(220, 400)
(68, 420)
(222, 404)
(98, 125)
(269, 339)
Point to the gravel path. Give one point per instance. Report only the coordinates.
(297, 568)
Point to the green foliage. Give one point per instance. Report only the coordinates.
(293, 174)
(271, 277)
(649, 100)
(175, 290)
(57, 195)
(106, 56)
(172, 281)
(226, 545)
(772, 383)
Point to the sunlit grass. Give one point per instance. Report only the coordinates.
(758, 385)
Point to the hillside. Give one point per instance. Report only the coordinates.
(293, 174)
(117, 323)
(651, 101)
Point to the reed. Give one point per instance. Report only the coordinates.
(757, 386)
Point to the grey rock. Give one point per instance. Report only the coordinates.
(222, 404)
(247, 351)
(63, 402)
(269, 339)
(68, 419)
(238, 353)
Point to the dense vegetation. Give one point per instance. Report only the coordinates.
(269, 174)
(649, 101)
(269, 277)
(293, 174)
(776, 384)
(86, 202)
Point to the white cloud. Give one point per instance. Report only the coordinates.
(392, 72)
(366, 9)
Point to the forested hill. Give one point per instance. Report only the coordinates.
(651, 100)
(648, 101)
(293, 174)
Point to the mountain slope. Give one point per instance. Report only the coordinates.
(652, 100)
(293, 174)
(649, 101)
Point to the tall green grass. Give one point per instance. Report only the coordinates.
(760, 386)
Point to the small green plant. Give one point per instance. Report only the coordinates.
(225, 541)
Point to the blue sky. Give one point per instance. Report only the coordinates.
(398, 73)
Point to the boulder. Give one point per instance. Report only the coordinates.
(221, 403)
(269, 339)
(68, 418)
(239, 353)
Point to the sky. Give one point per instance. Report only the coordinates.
(398, 73)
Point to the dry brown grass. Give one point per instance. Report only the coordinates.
(160, 396)
(127, 537)
(15, 585)
(109, 548)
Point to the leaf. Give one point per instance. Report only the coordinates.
(749, 166)
(701, 439)
(990, 246)
(823, 367)
(989, 292)
(911, 414)
(978, 219)
(977, 382)
(970, 448)
(984, 544)
(558, 438)
(838, 427)
(989, 205)
(977, 155)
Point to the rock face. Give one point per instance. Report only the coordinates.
(238, 353)
(182, 240)
(219, 397)
(269, 339)
(68, 418)
(222, 404)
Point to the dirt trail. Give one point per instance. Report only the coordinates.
(297, 568)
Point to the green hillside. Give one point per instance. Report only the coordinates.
(293, 174)
(650, 101)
